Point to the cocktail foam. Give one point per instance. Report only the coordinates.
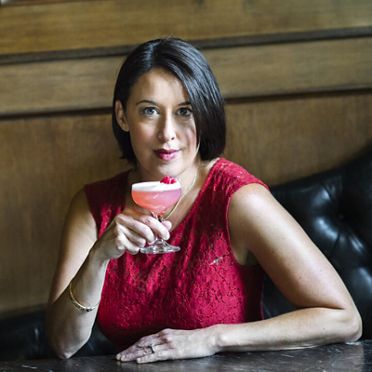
(155, 186)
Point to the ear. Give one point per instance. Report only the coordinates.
(120, 116)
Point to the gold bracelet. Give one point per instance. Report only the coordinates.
(77, 304)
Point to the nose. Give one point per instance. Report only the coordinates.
(167, 131)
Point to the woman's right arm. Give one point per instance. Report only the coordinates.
(82, 262)
(69, 328)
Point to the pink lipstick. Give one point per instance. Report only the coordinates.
(166, 154)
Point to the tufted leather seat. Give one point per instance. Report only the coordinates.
(335, 209)
(23, 336)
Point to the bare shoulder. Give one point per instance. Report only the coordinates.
(250, 199)
(79, 203)
(253, 190)
(264, 226)
(256, 217)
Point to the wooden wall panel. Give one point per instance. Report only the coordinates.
(36, 2)
(102, 24)
(43, 162)
(242, 72)
(284, 139)
(296, 75)
(58, 86)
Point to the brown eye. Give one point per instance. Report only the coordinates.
(149, 111)
(185, 112)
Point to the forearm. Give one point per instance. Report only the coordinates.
(68, 327)
(301, 328)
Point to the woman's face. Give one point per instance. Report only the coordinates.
(161, 125)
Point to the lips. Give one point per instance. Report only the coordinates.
(166, 154)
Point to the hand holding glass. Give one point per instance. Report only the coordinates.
(157, 197)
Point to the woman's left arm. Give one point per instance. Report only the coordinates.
(325, 311)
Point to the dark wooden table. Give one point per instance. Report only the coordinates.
(351, 357)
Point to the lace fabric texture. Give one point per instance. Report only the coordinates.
(199, 286)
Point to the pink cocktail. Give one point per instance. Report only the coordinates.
(157, 197)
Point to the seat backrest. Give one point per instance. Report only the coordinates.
(23, 336)
(335, 209)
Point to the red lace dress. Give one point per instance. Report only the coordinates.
(197, 287)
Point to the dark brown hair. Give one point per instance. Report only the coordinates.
(191, 68)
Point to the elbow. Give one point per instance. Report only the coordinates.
(61, 347)
(357, 328)
(62, 354)
(353, 328)
(55, 344)
(60, 350)
(63, 341)
(63, 351)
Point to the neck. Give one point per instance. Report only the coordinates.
(185, 192)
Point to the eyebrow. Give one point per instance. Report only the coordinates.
(186, 103)
(146, 101)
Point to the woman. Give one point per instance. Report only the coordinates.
(168, 118)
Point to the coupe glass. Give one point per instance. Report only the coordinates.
(157, 197)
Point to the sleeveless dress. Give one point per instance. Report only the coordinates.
(197, 287)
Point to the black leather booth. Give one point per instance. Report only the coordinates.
(334, 208)
(23, 336)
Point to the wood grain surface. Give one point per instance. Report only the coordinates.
(296, 76)
(242, 72)
(65, 25)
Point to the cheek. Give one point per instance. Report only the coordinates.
(141, 133)
(190, 137)
(141, 140)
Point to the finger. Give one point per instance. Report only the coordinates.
(122, 244)
(155, 357)
(158, 228)
(144, 346)
(138, 227)
(167, 224)
(127, 240)
(132, 248)
(133, 353)
(133, 237)
(148, 340)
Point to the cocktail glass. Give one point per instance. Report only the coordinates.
(157, 197)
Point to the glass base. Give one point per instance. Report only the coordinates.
(158, 247)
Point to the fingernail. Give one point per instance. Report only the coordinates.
(121, 358)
